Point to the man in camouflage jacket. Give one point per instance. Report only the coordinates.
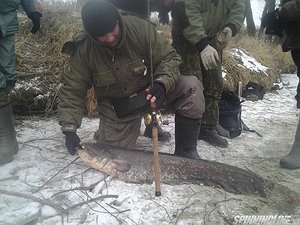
(8, 28)
(200, 30)
(112, 55)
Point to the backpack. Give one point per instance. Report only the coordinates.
(253, 91)
(230, 113)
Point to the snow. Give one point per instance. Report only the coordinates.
(43, 157)
(248, 61)
(43, 161)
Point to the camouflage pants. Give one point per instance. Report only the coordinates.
(212, 82)
(8, 74)
(186, 100)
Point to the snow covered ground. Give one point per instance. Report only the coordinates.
(42, 183)
(42, 155)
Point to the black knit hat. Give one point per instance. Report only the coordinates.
(99, 17)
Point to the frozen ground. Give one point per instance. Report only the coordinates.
(42, 155)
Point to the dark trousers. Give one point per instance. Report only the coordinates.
(296, 58)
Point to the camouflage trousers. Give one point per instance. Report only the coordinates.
(8, 74)
(186, 100)
(212, 82)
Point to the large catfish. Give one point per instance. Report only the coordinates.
(136, 166)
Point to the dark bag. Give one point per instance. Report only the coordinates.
(131, 105)
(230, 113)
(253, 91)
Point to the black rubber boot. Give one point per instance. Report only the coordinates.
(186, 137)
(162, 135)
(210, 134)
(8, 142)
(292, 160)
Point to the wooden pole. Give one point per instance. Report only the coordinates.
(155, 150)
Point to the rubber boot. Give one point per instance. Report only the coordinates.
(292, 160)
(210, 134)
(162, 135)
(186, 137)
(8, 142)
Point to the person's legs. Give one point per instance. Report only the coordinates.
(187, 101)
(8, 74)
(114, 131)
(8, 141)
(292, 160)
(213, 87)
(296, 58)
(162, 135)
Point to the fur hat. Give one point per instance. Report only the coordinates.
(99, 17)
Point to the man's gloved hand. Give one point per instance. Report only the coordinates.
(228, 35)
(159, 92)
(72, 142)
(209, 57)
(35, 17)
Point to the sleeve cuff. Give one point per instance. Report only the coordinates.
(200, 45)
(68, 128)
(233, 28)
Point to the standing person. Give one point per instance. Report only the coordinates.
(285, 22)
(289, 17)
(200, 30)
(112, 55)
(289, 14)
(8, 75)
(140, 8)
(292, 160)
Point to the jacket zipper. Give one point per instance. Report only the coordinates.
(113, 56)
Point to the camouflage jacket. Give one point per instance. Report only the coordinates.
(197, 22)
(117, 72)
(290, 15)
(8, 14)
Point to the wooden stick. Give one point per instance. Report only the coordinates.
(55, 206)
(55, 175)
(155, 150)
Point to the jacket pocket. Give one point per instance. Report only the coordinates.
(137, 68)
(104, 79)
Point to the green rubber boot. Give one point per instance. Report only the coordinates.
(8, 142)
(210, 134)
(292, 160)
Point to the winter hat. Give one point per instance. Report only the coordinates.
(99, 17)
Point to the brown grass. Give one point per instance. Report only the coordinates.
(61, 21)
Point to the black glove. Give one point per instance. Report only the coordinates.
(159, 91)
(35, 17)
(272, 23)
(72, 142)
